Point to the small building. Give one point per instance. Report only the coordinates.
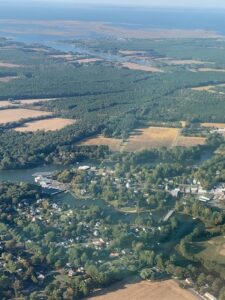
(204, 199)
(83, 168)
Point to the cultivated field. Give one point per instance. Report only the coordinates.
(210, 70)
(206, 88)
(68, 57)
(46, 125)
(32, 101)
(5, 103)
(181, 62)
(87, 60)
(7, 79)
(209, 88)
(8, 65)
(152, 137)
(147, 138)
(13, 115)
(144, 290)
(214, 125)
(114, 144)
(186, 141)
(133, 66)
(22, 102)
(130, 52)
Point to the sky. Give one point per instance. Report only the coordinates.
(153, 3)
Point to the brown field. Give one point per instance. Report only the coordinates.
(152, 137)
(7, 79)
(147, 138)
(87, 60)
(13, 115)
(46, 125)
(5, 103)
(209, 70)
(130, 52)
(144, 290)
(209, 88)
(27, 101)
(32, 101)
(214, 125)
(114, 144)
(68, 57)
(181, 62)
(134, 66)
(8, 65)
(186, 141)
(206, 88)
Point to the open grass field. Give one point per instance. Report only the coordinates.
(208, 88)
(32, 101)
(214, 125)
(7, 79)
(68, 57)
(130, 52)
(13, 115)
(5, 103)
(147, 138)
(46, 125)
(211, 250)
(181, 62)
(189, 141)
(144, 290)
(210, 70)
(88, 60)
(151, 137)
(134, 66)
(8, 65)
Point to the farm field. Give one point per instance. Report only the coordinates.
(163, 290)
(130, 52)
(210, 70)
(134, 66)
(147, 138)
(181, 62)
(32, 101)
(8, 65)
(186, 141)
(208, 88)
(152, 137)
(7, 79)
(5, 103)
(46, 125)
(13, 115)
(88, 60)
(214, 125)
